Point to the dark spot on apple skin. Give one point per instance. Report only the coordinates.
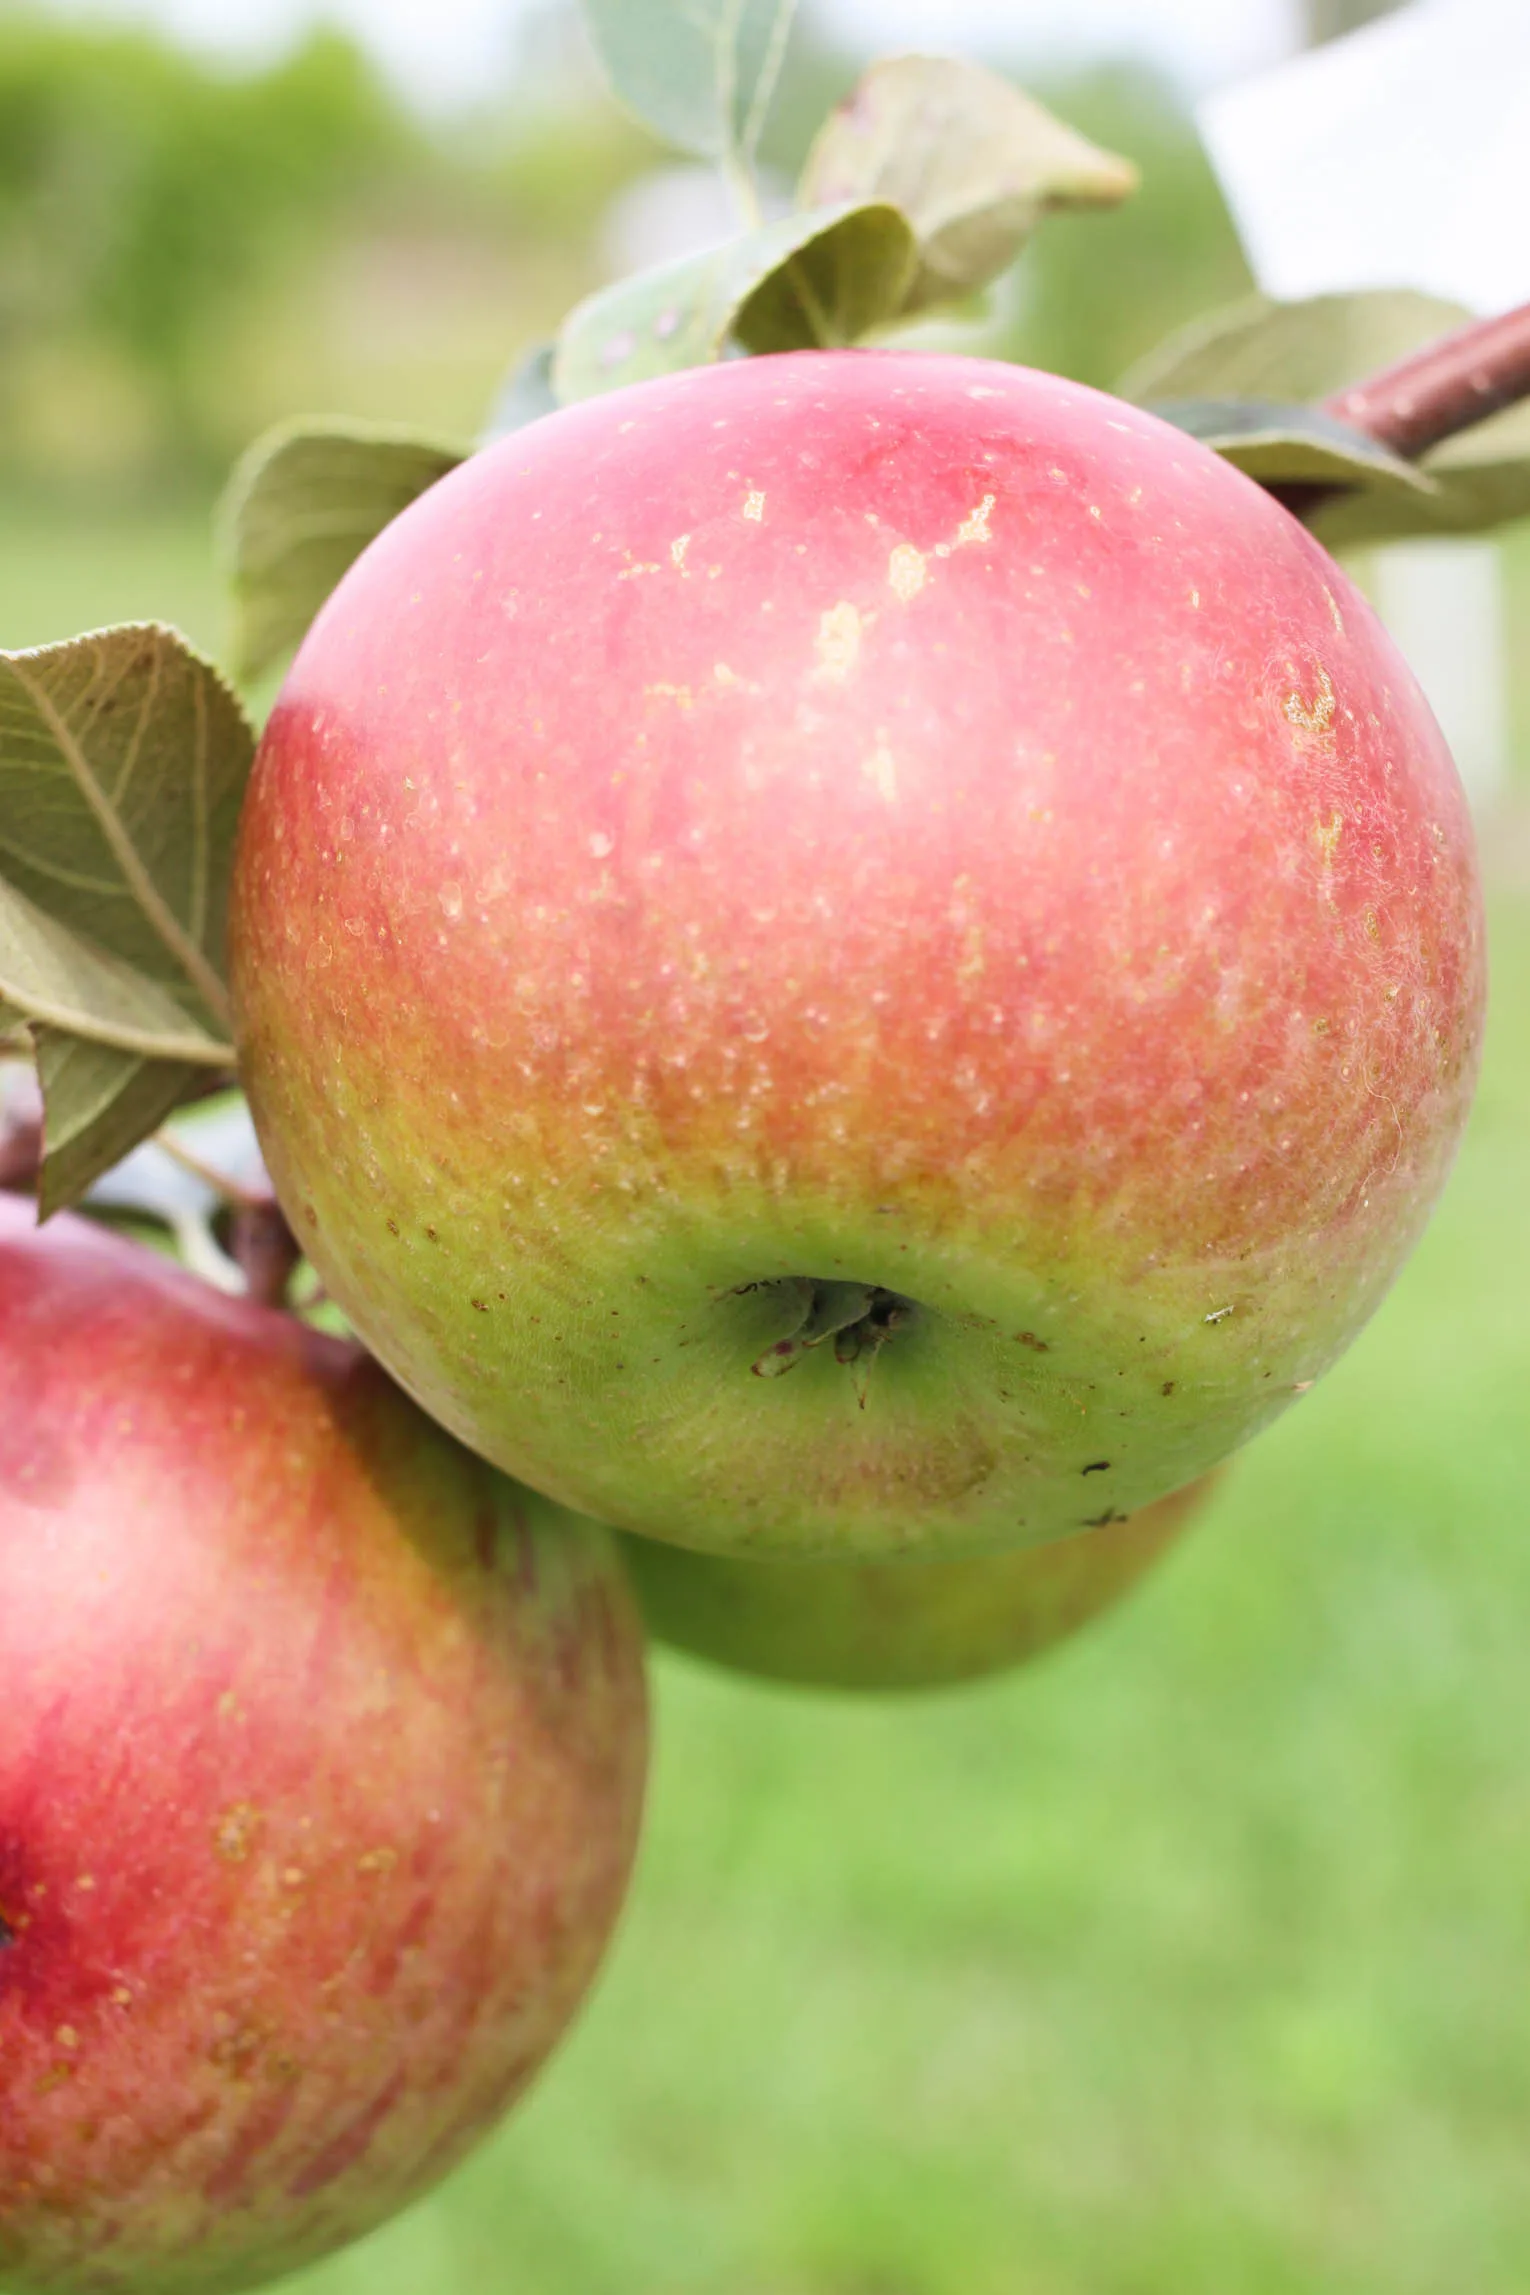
(1103, 1521)
(1167, 1387)
(1029, 1339)
(1096, 1466)
(7, 1934)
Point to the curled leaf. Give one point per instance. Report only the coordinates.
(826, 277)
(971, 160)
(302, 504)
(700, 71)
(1284, 445)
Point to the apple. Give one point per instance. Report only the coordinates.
(321, 1758)
(883, 868)
(908, 1624)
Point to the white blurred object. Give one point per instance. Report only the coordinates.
(1399, 156)
(1442, 600)
(670, 211)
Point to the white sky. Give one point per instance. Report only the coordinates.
(446, 49)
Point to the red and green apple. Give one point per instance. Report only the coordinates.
(855, 953)
(321, 1758)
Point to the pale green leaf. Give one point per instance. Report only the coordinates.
(1284, 445)
(302, 505)
(1305, 350)
(98, 1104)
(971, 160)
(702, 72)
(804, 279)
(525, 396)
(123, 762)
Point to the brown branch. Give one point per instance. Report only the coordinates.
(1447, 386)
(265, 1250)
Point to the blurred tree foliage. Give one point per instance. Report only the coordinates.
(188, 252)
(157, 213)
(142, 192)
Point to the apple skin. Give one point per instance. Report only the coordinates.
(321, 1760)
(901, 1625)
(867, 818)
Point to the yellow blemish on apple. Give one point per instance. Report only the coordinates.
(1326, 836)
(1313, 720)
(754, 505)
(838, 643)
(907, 571)
(677, 550)
(234, 1833)
(973, 528)
(881, 769)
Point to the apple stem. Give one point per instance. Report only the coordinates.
(1449, 385)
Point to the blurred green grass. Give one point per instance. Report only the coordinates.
(1190, 1963)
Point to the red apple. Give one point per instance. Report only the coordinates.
(321, 1756)
(887, 867)
(908, 1624)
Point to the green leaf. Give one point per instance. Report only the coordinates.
(1310, 350)
(971, 159)
(123, 761)
(1292, 445)
(58, 977)
(804, 279)
(1481, 480)
(525, 396)
(700, 71)
(302, 504)
(98, 1104)
(1305, 350)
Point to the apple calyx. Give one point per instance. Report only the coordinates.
(859, 1317)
